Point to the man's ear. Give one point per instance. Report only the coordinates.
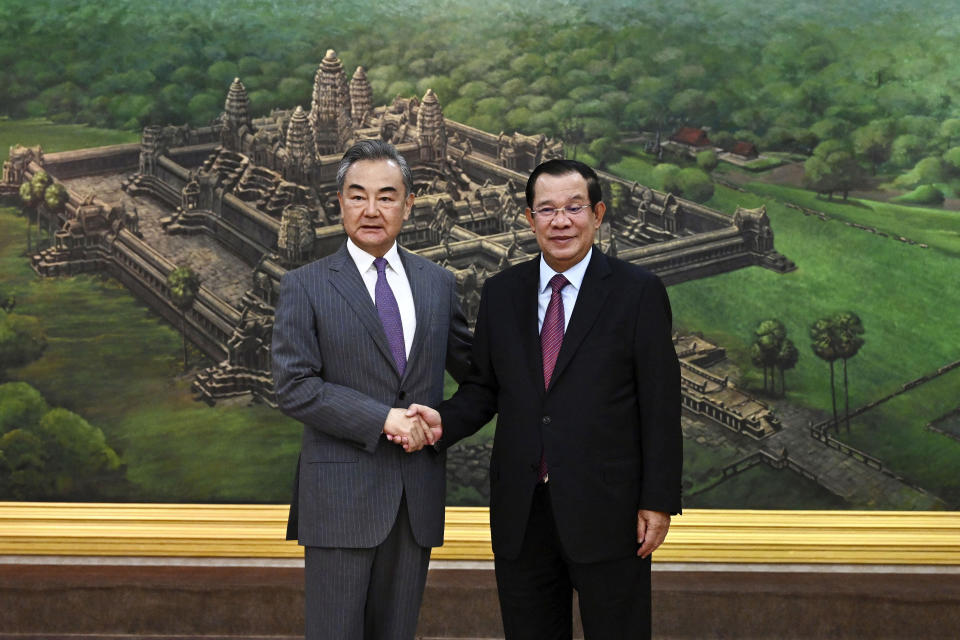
(598, 210)
(529, 214)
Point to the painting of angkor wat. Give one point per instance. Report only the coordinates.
(790, 171)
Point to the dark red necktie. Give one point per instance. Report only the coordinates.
(551, 337)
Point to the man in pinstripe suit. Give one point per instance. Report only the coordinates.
(358, 332)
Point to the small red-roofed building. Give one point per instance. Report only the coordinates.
(691, 136)
(745, 149)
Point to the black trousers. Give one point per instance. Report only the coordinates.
(536, 589)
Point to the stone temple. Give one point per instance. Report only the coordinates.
(244, 199)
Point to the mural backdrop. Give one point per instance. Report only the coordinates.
(791, 170)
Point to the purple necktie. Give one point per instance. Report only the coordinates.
(390, 315)
(551, 337)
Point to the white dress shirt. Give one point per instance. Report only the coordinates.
(569, 293)
(396, 278)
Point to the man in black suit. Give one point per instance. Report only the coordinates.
(574, 351)
(359, 332)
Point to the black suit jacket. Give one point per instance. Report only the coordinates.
(609, 424)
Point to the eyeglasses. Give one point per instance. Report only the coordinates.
(572, 210)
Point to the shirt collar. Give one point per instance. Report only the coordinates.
(364, 260)
(574, 274)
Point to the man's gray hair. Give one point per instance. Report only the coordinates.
(374, 150)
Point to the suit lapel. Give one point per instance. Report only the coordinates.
(527, 320)
(594, 290)
(422, 294)
(347, 281)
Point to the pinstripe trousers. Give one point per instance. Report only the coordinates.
(367, 594)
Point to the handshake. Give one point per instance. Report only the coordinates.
(414, 427)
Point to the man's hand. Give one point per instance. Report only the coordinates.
(430, 417)
(652, 528)
(408, 431)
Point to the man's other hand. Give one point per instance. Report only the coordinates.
(652, 527)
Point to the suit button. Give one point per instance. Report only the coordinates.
(403, 394)
(546, 420)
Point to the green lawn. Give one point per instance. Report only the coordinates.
(936, 227)
(895, 432)
(702, 464)
(905, 295)
(949, 423)
(901, 292)
(57, 137)
(762, 487)
(634, 168)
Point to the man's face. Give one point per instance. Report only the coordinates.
(563, 239)
(373, 204)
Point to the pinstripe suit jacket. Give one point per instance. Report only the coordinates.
(333, 372)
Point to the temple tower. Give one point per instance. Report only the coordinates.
(301, 153)
(361, 97)
(330, 111)
(236, 117)
(431, 131)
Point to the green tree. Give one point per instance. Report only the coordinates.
(872, 143)
(667, 177)
(204, 107)
(818, 176)
(695, 184)
(950, 132)
(707, 160)
(723, 139)
(768, 340)
(825, 343)
(906, 150)
(184, 284)
(573, 132)
(604, 151)
(20, 406)
(759, 360)
(787, 359)
(951, 160)
(55, 197)
(831, 168)
(28, 203)
(927, 171)
(220, 74)
(294, 91)
(22, 462)
(22, 340)
(78, 456)
(849, 331)
(50, 453)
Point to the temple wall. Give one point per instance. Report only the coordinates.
(193, 155)
(244, 229)
(481, 169)
(116, 158)
(486, 143)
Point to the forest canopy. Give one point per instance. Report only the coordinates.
(876, 77)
